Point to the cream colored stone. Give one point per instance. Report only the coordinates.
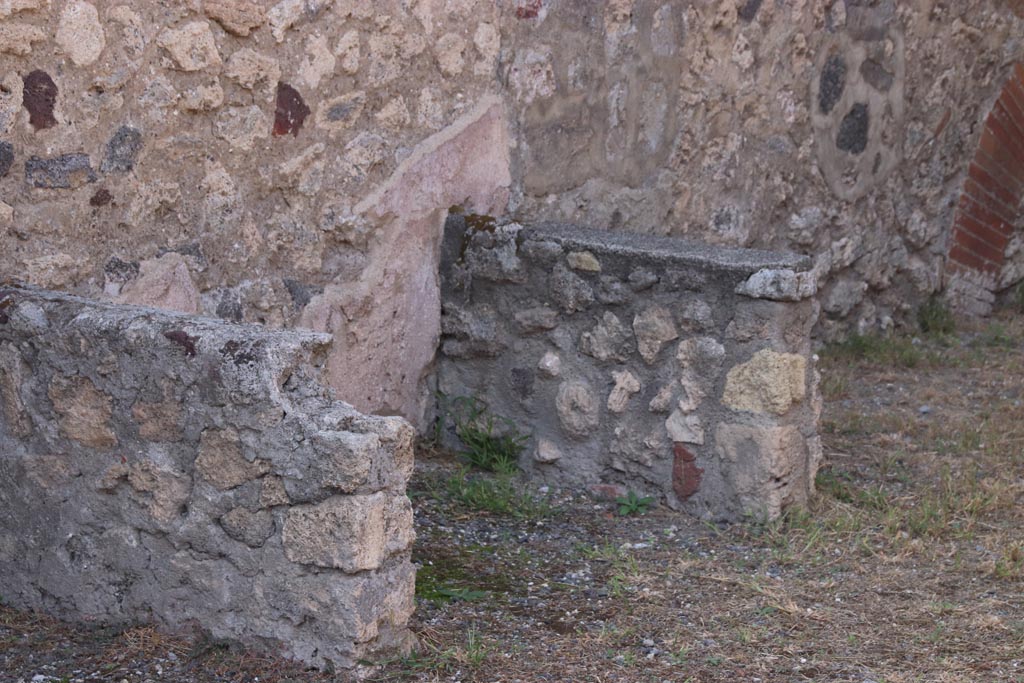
(394, 115)
(685, 428)
(79, 33)
(547, 452)
(550, 365)
(133, 36)
(163, 282)
(272, 492)
(221, 462)
(626, 384)
(6, 213)
(12, 92)
(166, 491)
(767, 468)
(653, 327)
(450, 52)
(350, 533)
(319, 62)
(578, 408)
(250, 69)
(662, 401)
(17, 39)
(192, 46)
(769, 382)
(9, 7)
(348, 52)
(53, 271)
(283, 16)
(238, 17)
(583, 260)
(83, 411)
(487, 41)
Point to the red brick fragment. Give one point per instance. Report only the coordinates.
(40, 98)
(291, 110)
(686, 475)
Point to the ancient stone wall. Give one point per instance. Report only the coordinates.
(649, 364)
(290, 162)
(170, 468)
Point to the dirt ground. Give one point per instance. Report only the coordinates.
(909, 566)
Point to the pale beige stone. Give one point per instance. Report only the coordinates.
(9, 7)
(348, 51)
(547, 451)
(685, 428)
(700, 360)
(221, 462)
(394, 115)
(163, 282)
(53, 271)
(578, 408)
(662, 401)
(133, 36)
(192, 46)
(283, 16)
(12, 91)
(238, 17)
(79, 33)
(550, 365)
(653, 328)
(766, 467)
(166, 491)
(17, 39)
(251, 69)
(583, 260)
(770, 382)
(450, 51)
(83, 411)
(626, 384)
(272, 492)
(350, 533)
(319, 62)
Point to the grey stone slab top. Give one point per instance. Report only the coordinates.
(665, 249)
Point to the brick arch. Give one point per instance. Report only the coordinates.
(989, 209)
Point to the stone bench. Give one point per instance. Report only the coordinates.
(185, 471)
(638, 363)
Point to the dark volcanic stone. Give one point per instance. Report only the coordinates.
(833, 82)
(749, 10)
(291, 110)
(40, 97)
(301, 293)
(230, 306)
(63, 172)
(118, 270)
(6, 157)
(122, 150)
(101, 198)
(853, 130)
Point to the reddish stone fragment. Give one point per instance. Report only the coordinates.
(291, 110)
(40, 97)
(101, 198)
(686, 475)
(528, 10)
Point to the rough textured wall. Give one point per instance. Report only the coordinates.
(648, 364)
(291, 162)
(169, 468)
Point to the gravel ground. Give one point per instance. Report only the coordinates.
(908, 567)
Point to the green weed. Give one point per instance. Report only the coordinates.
(632, 504)
(935, 318)
(499, 494)
(493, 443)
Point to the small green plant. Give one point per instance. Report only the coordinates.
(898, 351)
(935, 318)
(500, 494)
(493, 443)
(632, 504)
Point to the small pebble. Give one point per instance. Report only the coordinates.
(924, 410)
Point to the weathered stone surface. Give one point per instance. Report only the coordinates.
(353, 533)
(583, 260)
(64, 172)
(766, 466)
(547, 451)
(570, 291)
(253, 70)
(537, 319)
(769, 382)
(290, 112)
(609, 340)
(6, 157)
(83, 411)
(550, 365)
(653, 327)
(17, 38)
(626, 384)
(238, 17)
(163, 282)
(248, 527)
(79, 32)
(39, 96)
(191, 46)
(778, 285)
(684, 428)
(578, 408)
(141, 506)
(222, 463)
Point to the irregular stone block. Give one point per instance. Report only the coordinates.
(350, 533)
(122, 150)
(163, 282)
(609, 340)
(769, 382)
(192, 46)
(79, 33)
(653, 327)
(765, 466)
(221, 462)
(626, 384)
(578, 408)
(245, 526)
(583, 260)
(83, 411)
(238, 17)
